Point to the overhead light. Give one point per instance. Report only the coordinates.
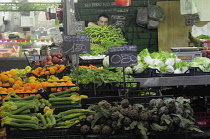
(50, 1)
(3, 1)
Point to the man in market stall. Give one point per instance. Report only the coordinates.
(103, 20)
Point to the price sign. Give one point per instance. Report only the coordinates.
(78, 44)
(123, 56)
(80, 26)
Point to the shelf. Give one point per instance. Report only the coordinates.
(174, 81)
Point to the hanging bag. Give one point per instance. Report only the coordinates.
(142, 17)
(155, 13)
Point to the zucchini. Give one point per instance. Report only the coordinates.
(72, 89)
(60, 103)
(24, 117)
(22, 109)
(61, 114)
(60, 99)
(71, 116)
(41, 117)
(26, 98)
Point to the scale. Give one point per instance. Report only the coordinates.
(184, 49)
(186, 54)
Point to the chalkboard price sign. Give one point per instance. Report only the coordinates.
(78, 44)
(123, 56)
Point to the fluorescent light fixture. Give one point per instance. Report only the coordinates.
(3, 1)
(44, 1)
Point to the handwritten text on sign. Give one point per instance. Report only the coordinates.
(77, 44)
(122, 56)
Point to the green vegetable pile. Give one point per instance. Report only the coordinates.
(165, 115)
(99, 77)
(105, 37)
(206, 37)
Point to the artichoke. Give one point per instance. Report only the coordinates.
(125, 103)
(104, 104)
(90, 118)
(85, 129)
(124, 111)
(106, 130)
(96, 129)
(163, 110)
(115, 115)
(126, 121)
(133, 114)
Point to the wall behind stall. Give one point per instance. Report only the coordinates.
(88, 10)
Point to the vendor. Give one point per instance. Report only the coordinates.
(103, 20)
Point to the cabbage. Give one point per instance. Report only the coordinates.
(148, 60)
(157, 63)
(106, 61)
(128, 70)
(166, 69)
(177, 71)
(170, 61)
(139, 68)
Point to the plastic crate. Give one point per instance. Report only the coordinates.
(13, 132)
(86, 102)
(144, 100)
(129, 136)
(147, 73)
(171, 135)
(54, 89)
(202, 119)
(127, 85)
(62, 108)
(51, 137)
(92, 90)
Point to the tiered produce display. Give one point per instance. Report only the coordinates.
(44, 101)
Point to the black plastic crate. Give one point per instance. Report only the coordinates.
(62, 108)
(86, 102)
(171, 135)
(123, 136)
(157, 73)
(139, 93)
(92, 90)
(54, 89)
(51, 137)
(147, 73)
(127, 85)
(13, 132)
(144, 100)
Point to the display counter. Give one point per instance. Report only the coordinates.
(8, 63)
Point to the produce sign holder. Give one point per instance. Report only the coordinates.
(14, 132)
(86, 102)
(90, 61)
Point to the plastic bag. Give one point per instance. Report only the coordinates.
(155, 13)
(142, 17)
(152, 24)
